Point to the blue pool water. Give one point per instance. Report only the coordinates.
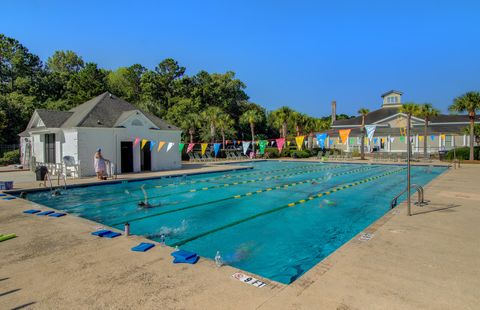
(268, 220)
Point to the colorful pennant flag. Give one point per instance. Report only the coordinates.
(321, 137)
(204, 148)
(180, 146)
(262, 144)
(420, 138)
(144, 141)
(375, 140)
(160, 145)
(137, 141)
(216, 148)
(299, 141)
(288, 143)
(351, 140)
(245, 146)
(280, 142)
(432, 137)
(370, 130)
(152, 144)
(344, 134)
(402, 138)
(382, 140)
(442, 136)
(190, 147)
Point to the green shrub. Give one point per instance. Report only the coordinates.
(464, 153)
(273, 152)
(355, 153)
(10, 158)
(300, 153)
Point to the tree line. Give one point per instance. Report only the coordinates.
(207, 106)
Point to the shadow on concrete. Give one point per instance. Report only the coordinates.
(437, 207)
(3, 279)
(9, 292)
(24, 306)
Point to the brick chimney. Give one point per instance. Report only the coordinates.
(334, 111)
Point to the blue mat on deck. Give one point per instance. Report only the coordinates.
(111, 234)
(143, 247)
(57, 214)
(31, 211)
(185, 257)
(100, 233)
(44, 213)
(8, 198)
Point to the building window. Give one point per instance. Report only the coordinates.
(392, 99)
(50, 148)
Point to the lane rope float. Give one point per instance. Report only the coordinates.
(193, 190)
(248, 194)
(292, 204)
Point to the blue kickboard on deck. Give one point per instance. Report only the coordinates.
(191, 260)
(57, 214)
(8, 198)
(1, 195)
(44, 213)
(31, 211)
(111, 234)
(143, 247)
(100, 233)
(184, 255)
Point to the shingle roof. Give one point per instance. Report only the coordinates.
(370, 118)
(385, 112)
(53, 118)
(103, 111)
(392, 92)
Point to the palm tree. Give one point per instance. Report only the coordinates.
(313, 125)
(225, 124)
(426, 111)
(299, 120)
(212, 116)
(363, 112)
(190, 123)
(281, 117)
(251, 117)
(409, 109)
(469, 102)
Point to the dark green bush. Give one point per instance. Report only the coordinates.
(300, 154)
(273, 152)
(10, 158)
(464, 153)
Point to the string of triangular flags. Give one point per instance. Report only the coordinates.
(323, 140)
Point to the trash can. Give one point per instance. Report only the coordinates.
(442, 154)
(41, 172)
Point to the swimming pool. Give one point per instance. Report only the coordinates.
(276, 220)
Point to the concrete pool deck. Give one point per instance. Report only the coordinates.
(428, 261)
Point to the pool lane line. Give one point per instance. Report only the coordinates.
(248, 194)
(237, 175)
(200, 189)
(289, 205)
(242, 174)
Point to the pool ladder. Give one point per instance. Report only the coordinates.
(421, 201)
(63, 178)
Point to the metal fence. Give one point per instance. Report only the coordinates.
(7, 148)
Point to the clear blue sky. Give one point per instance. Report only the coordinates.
(297, 53)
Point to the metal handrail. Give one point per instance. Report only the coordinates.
(420, 192)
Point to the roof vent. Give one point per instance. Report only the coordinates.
(99, 122)
(110, 95)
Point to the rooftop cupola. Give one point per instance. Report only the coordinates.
(392, 98)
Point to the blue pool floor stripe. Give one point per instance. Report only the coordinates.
(251, 193)
(292, 204)
(193, 190)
